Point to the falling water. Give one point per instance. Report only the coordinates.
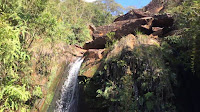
(69, 93)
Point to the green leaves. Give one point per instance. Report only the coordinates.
(14, 96)
(148, 95)
(37, 92)
(109, 91)
(187, 43)
(24, 21)
(141, 81)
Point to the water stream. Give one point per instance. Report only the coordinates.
(69, 93)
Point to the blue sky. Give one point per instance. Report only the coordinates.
(135, 3)
(126, 3)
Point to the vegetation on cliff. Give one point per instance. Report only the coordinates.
(160, 77)
(135, 79)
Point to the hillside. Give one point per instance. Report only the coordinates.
(146, 60)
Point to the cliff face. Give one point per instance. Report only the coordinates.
(125, 66)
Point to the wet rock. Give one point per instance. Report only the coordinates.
(91, 62)
(91, 68)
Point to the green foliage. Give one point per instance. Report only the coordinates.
(108, 92)
(187, 18)
(24, 22)
(37, 92)
(126, 98)
(13, 65)
(112, 6)
(136, 80)
(138, 32)
(14, 97)
(110, 39)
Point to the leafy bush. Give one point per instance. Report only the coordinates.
(110, 39)
(37, 92)
(22, 22)
(13, 59)
(187, 18)
(14, 97)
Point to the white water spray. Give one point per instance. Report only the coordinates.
(69, 93)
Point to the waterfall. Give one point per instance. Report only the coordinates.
(69, 93)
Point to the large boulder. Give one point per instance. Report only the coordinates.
(121, 28)
(163, 20)
(125, 27)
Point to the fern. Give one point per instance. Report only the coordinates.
(14, 96)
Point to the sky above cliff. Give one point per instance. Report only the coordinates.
(126, 3)
(135, 3)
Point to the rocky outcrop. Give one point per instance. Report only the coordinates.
(130, 23)
(145, 20)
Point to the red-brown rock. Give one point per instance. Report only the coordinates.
(121, 28)
(147, 22)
